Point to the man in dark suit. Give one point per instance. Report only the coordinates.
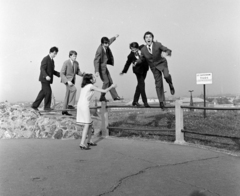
(46, 78)
(152, 53)
(103, 58)
(140, 70)
(68, 74)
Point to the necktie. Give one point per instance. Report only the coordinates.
(149, 49)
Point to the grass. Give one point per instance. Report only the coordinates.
(225, 123)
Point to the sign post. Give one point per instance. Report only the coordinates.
(204, 78)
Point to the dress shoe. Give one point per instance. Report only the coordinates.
(117, 99)
(103, 99)
(48, 109)
(136, 104)
(162, 105)
(83, 147)
(71, 107)
(66, 113)
(91, 144)
(36, 109)
(146, 105)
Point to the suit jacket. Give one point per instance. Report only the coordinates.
(102, 58)
(69, 71)
(155, 59)
(140, 68)
(47, 69)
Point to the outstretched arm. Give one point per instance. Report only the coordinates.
(111, 40)
(165, 49)
(56, 73)
(103, 90)
(79, 71)
(127, 65)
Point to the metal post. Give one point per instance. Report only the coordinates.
(179, 135)
(191, 99)
(204, 97)
(104, 119)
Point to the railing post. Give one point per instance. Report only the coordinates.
(104, 119)
(179, 135)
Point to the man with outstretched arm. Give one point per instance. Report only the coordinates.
(152, 53)
(140, 70)
(103, 58)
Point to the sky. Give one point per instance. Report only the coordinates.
(204, 36)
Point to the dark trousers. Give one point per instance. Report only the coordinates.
(107, 82)
(46, 94)
(140, 89)
(159, 81)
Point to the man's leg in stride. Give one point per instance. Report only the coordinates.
(48, 95)
(159, 86)
(141, 85)
(137, 91)
(40, 97)
(168, 79)
(107, 82)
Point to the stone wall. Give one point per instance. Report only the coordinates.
(20, 122)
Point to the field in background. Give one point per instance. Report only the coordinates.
(226, 123)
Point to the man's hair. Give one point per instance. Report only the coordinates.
(72, 52)
(148, 33)
(53, 49)
(134, 45)
(86, 79)
(104, 40)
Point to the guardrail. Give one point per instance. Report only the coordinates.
(179, 123)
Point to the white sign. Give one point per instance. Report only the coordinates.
(204, 78)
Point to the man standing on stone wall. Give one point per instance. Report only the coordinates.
(69, 70)
(46, 78)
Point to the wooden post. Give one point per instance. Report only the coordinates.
(104, 119)
(179, 135)
(95, 110)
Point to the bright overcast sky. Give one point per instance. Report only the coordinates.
(204, 36)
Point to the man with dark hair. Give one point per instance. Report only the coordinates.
(103, 58)
(152, 53)
(68, 72)
(46, 78)
(140, 70)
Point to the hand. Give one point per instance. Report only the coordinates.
(97, 74)
(70, 83)
(113, 86)
(121, 73)
(116, 35)
(48, 78)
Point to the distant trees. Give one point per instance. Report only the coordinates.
(223, 100)
(236, 102)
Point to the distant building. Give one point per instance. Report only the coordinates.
(196, 101)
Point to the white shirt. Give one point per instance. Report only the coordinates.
(104, 48)
(139, 53)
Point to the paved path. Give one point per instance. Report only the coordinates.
(119, 167)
